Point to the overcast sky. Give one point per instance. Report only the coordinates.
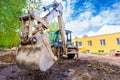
(88, 16)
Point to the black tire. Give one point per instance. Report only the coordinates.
(71, 56)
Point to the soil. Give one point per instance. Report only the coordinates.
(86, 67)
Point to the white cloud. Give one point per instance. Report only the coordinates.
(91, 33)
(85, 15)
(96, 21)
(82, 23)
(77, 27)
(68, 9)
(86, 20)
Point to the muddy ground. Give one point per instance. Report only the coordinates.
(87, 67)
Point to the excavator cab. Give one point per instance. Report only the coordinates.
(58, 36)
(71, 49)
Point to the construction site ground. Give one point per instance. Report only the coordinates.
(86, 67)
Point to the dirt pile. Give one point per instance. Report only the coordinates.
(85, 68)
(65, 70)
(7, 56)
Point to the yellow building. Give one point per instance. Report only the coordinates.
(100, 43)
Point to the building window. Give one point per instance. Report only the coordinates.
(102, 42)
(76, 43)
(118, 41)
(80, 43)
(89, 43)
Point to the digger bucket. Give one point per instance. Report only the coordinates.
(36, 56)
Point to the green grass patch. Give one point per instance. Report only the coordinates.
(101, 53)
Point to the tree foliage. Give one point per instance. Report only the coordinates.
(32, 5)
(9, 21)
(51, 31)
(10, 11)
(53, 27)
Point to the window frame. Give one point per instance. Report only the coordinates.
(102, 42)
(80, 42)
(118, 41)
(90, 43)
(76, 43)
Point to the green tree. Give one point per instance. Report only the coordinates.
(10, 11)
(32, 5)
(9, 21)
(51, 31)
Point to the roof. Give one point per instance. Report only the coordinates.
(67, 31)
(108, 29)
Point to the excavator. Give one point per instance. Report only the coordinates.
(35, 51)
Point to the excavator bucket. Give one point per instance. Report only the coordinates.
(36, 56)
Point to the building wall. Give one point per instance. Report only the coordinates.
(110, 39)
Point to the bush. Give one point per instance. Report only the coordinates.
(101, 53)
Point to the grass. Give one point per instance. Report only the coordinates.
(101, 53)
